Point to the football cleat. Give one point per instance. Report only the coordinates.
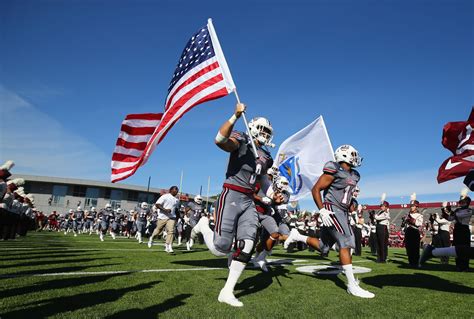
(203, 222)
(291, 238)
(229, 298)
(355, 290)
(150, 244)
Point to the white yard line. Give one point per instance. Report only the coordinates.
(117, 272)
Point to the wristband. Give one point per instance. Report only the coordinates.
(221, 138)
(233, 119)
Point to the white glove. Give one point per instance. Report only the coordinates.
(325, 216)
(266, 200)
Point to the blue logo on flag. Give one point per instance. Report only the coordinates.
(291, 170)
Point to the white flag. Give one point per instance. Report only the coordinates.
(302, 156)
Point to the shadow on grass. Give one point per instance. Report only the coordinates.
(336, 279)
(56, 284)
(55, 306)
(429, 266)
(213, 263)
(152, 311)
(417, 280)
(260, 281)
(52, 270)
(48, 255)
(55, 261)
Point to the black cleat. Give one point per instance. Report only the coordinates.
(426, 254)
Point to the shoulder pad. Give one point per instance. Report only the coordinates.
(331, 168)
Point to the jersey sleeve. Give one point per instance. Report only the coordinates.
(239, 136)
(330, 168)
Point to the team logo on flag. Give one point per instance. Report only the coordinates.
(290, 168)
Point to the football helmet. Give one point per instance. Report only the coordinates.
(198, 199)
(92, 209)
(261, 130)
(282, 183)
(348, 154)
(108, 206)
(144, 205)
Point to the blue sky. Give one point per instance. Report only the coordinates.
(386, 76)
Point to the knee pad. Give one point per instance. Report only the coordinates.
(244, 251)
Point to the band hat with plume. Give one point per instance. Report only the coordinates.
(383, 202)
(31, 198)
(8, 165)
(17, 181)
(20, 192)
(413, 200)
(464, 192)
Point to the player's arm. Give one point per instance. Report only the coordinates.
(323, 183)
(223, 139)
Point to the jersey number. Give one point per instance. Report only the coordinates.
(346, 198)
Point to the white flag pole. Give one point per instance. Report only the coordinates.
(254, 148)
(230, 85)
(207, 196)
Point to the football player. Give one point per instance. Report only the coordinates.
(270, 221)
(338, 181)
(104, 219)
(141, 217)
(194, 211)
(235, 215)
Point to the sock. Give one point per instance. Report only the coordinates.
(301, 238)
(139, 236)
(235, 270)
(208, 235)
(349, 274)
(191, 242)
(444, 251)
(179, 240)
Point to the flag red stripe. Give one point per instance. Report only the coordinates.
(124, 158)
(191, 79)
(121, 170)
(145, 116)
(138, 146)
(137, 130)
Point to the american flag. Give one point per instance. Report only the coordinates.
(201, 75)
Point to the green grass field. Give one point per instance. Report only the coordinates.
(57, 276)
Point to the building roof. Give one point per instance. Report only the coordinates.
(86, 182)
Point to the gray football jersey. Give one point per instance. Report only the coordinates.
(339, 193)
(196, 211)
(243, 170)
(142, 215)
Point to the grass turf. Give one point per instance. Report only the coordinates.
(432, 292)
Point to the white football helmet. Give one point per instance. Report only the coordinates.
(261, 130)
(198, 199)
(144, 205)
(356, 192)
(282, 183)
(92, 209)
(108, 206)
(79, 208)
(348, 154)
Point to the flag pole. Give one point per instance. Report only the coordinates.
(254, 148)
(227, 75)
(207, 196)
(180, 184)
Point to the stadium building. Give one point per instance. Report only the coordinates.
(61, 194)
